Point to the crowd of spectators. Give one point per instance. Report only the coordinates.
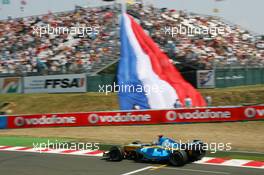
(23, 51)
(234, 46)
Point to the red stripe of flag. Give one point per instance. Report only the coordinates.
(164, 68)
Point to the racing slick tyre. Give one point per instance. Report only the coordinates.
(115, 154)
(197, 151)
(197, 155)
(138, 157)
(178, 158)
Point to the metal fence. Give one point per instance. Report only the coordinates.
(227, 77)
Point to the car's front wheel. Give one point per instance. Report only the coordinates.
(116, 154)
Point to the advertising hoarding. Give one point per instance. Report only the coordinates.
(11, 85)
(194, 115)
(205, 79)
(55, 83)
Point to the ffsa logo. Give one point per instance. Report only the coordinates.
(64, 83)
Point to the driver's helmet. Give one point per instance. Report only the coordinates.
(160, 139)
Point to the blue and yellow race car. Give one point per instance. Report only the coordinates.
(165, 150)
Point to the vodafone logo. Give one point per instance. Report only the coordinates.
(19, 121)
(250, 112)
(128, 117)
(43, 120)
(93, 118)
(173, 115)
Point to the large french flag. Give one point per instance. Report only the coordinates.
(143, 65)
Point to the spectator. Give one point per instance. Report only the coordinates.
(208, 100)
(233, 47)
(21, 51)
(177, 104)
(136, 107)
(188, 102)
(67, 52)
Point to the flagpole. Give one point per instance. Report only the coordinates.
(123, 3)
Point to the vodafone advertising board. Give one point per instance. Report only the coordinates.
(44, 120)
(55, 83)
(252, 113)
(124, 118)
(200, 115)
(213, 114)
(84, 119)
(138, 117)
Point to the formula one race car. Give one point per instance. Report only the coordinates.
(165, 150)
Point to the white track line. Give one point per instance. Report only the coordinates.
(195, 170)
(139, 170)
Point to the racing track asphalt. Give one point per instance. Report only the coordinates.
(24, 163)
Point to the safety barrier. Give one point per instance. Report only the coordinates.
(140, 117)
(238, 77)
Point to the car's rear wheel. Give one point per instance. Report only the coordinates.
(178, 158)
(116, 154)
(196, 155)
(197, 151)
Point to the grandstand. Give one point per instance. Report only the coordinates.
(23, 53)
(75, 84)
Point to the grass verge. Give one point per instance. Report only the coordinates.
(81, 102)
(27, 141)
